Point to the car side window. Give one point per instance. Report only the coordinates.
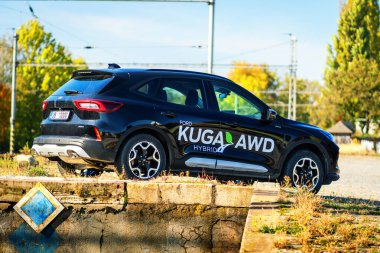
(186, 92)
(148, 88)
(231, 102)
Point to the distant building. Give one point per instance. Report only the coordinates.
(342, 131)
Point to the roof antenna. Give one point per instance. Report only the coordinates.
(113, 66)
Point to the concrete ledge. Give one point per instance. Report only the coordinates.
(73, 191)
(121, 192)
(143, 193)
(187, 194)
(264, 202)
(233, 196)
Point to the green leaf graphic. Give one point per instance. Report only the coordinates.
(229, 137)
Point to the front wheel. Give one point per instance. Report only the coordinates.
(142, 157)
(305, 170)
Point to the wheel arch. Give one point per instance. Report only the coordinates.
(310, 145)
(151, 130)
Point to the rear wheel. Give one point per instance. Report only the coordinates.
(305, 170)
(142, 157)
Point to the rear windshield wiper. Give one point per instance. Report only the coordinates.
(70, 92)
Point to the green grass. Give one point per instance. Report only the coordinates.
(356, 206)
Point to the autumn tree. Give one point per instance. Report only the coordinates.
(255, 78)
(5, 78)
(36, 80)
(355, 51)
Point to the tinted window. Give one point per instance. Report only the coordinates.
(149, 88)
(83, 85)
(187, 92)
(234, 103)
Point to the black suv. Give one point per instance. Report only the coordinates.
(145, 121)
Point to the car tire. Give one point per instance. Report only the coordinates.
(66, 169)
(142, 157)
(305, 170)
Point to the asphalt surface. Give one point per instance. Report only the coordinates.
(359, 178)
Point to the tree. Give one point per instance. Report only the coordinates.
(36, 83)
(5, 60)
(358, 90)
(5, 93)
(305, 101)
(357, 42)
(5, 107)
(255, 78)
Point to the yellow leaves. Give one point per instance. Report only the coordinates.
(250, 76)
(45, 83)
(36, 83)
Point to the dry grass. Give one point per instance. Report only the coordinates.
(355, 149)
(46, 168)
(312, 228)
(10, 167)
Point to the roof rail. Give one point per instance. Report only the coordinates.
(189, 71)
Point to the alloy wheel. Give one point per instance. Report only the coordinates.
(306, 174)
(144, 160)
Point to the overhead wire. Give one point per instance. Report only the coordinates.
(253, 51)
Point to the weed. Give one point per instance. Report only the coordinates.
(316, 229)
(26, 150)
(37, 171)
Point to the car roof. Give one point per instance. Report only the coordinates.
(174, 72)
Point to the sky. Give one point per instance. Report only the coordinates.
(255, 31)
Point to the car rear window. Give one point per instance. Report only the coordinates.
(84, 85)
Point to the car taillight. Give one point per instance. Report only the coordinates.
(44, 105)
(97, 105)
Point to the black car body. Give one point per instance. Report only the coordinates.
(203, 124)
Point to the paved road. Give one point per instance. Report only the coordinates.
(359, 178)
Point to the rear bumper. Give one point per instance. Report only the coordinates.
(73, 147)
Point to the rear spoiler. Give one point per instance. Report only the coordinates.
(96, 74)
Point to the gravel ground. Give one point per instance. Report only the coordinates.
(359, 178)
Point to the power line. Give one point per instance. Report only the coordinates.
(150, 65)
(45, 21)
(254, 51)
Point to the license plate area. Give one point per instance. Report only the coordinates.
(59, 115)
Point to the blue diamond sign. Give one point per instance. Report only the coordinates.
(38, 207)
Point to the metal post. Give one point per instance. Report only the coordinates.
(13, 103)
(210, 61)
(293, 80)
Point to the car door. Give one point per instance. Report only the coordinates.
(182, 112)
(251, 145)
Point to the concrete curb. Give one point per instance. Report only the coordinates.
(122, 192)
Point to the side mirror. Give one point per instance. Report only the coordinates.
(222, 95)
(271, 115)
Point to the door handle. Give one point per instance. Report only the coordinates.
(232, 124)
(169, 114)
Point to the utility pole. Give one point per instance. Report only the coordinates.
(13, 103)
(293, 79)
(210, 61)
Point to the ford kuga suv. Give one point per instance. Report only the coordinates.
(146, 121)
